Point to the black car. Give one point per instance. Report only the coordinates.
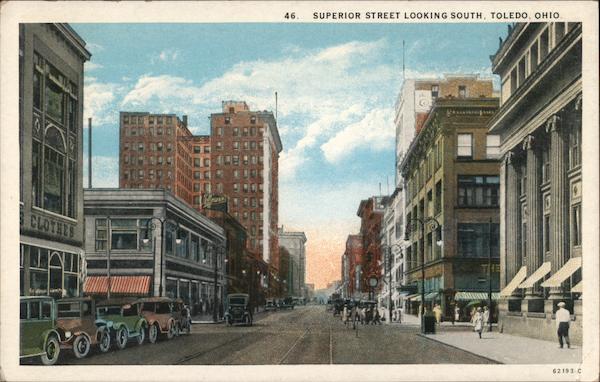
(239, 310)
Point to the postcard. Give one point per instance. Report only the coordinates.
(369, 191)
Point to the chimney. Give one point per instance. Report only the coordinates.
(185, 120)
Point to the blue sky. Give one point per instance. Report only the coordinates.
(337, 84)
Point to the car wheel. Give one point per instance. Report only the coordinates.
(51, 351)
(153, 333)
(171, 331)
(81, 346)
(141, 336)
(104, 342)
(177, 330)
(121, 337)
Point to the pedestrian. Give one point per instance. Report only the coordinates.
(377, 316)
(563, 317)
(478, 321)
(456, 314)
(437, 311)
(486, 317)
(354, 316)
(363, 315)
(345, 315)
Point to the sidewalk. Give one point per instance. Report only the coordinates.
(508, 349)
(412, 320)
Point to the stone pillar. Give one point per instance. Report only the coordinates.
(559, 207)
(513, 260)
(534, 237)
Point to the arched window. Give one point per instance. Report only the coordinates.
(54, 170)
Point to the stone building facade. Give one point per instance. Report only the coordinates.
(155, 152)
(51, 60)
(451, 175)
(539, 121)
(295, 243)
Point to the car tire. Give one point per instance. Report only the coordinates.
(170, 331)
(153, 331)
(51, 351)
(141, 336)
(121, 338)
(104, 341)
(81, 346)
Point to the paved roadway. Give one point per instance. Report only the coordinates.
(305, 335)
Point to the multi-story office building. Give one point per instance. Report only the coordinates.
(245, 147)
(539, 121)
(451, 175)
(51, 59)
(201, 170)
(370, 212)
(295, 243)
(353, 254)
(150, 243)
(155, 152)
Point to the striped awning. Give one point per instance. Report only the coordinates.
(563, 273)
(469, 296)
(514, 283)
(542, 271)
(129, 285)
(414, 297)
(578, 288)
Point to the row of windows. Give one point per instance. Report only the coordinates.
(151, 185)
(133, 119)
(534, 55)
(235, 159)
(139, 174)
(140, 131)
(51, 272)
(200, 149)
(154, 146)
(245, 131)
(151, 160)
(244, 145)
(464, 148)
(252, 173)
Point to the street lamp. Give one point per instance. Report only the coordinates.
(151, 224)
(216, 249)
(434, 226)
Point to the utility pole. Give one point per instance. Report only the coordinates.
(490, 273)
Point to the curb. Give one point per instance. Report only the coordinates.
(456, 347)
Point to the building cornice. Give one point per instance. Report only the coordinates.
(71, 37)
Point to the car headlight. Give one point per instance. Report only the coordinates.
(68, 334)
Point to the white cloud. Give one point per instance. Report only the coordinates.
(105, 171)
(92, 66)
(375, 131)
(167, 55)
(99, 101)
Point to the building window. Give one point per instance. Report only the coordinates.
(492, 146)
(546, 164)
(465, 146)
(435, 91)
(522, 70)
(197, 175)
(576, 225)
(197, 149)
(438, 197)
(474, 240)
(101, 234)
(559, 32)
(462, 91)
(574, 146)
(236, 145)
(236, 131)
(197, 162)
(547, 234)
(54, 171)
(253, 120)
(478, 191)
(533, 57)
(227, 121)
(544, 44)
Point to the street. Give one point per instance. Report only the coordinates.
(304, 335)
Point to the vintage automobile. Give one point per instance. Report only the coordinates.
(37, 329)
(286, 303)
(158, 312)
(270, 304)
(182, 316)
(239, 310)
(78, 328)
(124, 319)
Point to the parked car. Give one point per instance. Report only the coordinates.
(238, 309)
(182, 317)
(37, 329)
(270, 304)
(158, 313)
(124, 319)
(78, 328)
(286, 303)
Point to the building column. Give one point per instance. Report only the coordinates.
(511, 212)
(534, 237)
(559, 213)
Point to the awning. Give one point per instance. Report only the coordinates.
(131, 285)
(431, 296)
(468, 296)
(514, 283)
(578, 288)
(563, 273)
(414, 297)
(542, 271)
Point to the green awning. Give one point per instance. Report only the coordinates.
(469, 296)
(431, 296)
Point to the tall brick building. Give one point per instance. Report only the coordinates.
(201, 169)
(245, 147)
(155, 152)
(370, 212)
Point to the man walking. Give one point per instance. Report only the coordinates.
(563, 317)
(354, 316)
(486, 318)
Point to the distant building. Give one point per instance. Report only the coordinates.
(370, 212)
(539, 121)
(51, 81)
(155, 152)
(245, 147)
(354, 256)
(451, 174)
(201, 170)
(295, 243)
